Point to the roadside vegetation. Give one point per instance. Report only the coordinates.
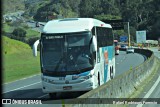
(31, 33)
(10, 6)
(9, 28)
(20, 32)
(141, 14)
(18, 61)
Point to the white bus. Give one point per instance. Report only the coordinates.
(76, 54)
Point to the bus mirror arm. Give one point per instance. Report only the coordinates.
(35, 45)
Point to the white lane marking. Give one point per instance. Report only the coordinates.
(21, 79)
(150, 91)
(43, 96)
(22, 87)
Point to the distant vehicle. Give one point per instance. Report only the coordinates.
(76, 54)
(37, 24)
(116, 47)
(124, 46)
(129, 50)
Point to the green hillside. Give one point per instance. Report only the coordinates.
(10, 6)
(18, 61)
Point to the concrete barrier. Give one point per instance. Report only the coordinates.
(121, 86)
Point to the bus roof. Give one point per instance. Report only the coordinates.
(73, 25)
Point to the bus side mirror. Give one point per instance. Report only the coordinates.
(93, 49)
(35, 45)
(94, 43)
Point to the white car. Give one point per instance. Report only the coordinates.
(129, 50)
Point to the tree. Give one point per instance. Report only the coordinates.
(86, 8)
(150, 19)
(110, 7)
(89, 8)
(19, 32)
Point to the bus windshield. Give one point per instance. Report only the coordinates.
(67, 53)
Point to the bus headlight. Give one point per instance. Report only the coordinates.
(87, 77)
(48, 80)
(74, 77)
(44, 79)
(51, 81)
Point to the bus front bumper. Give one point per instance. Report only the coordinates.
(82, 86)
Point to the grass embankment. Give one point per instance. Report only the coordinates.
(31, 33)
(7, 28)
(18, 61)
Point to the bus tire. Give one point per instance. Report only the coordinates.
(111, 73)
(52, 95)
(98, 80)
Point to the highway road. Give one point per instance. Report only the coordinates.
(156, 52)
(124, 61)
(152, 90)
(33, 26)
(31, 87)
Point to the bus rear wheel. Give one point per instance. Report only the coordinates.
(111, 72)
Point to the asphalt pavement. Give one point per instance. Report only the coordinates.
(124, 62)
(33, 26)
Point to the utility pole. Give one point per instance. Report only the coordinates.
(127, 31)
(129, 41)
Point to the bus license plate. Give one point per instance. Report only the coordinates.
(67, 87)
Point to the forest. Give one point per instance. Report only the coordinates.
(141, 14)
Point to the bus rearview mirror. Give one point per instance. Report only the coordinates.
(35, 45)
